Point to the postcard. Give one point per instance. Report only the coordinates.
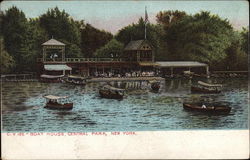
(124, 79)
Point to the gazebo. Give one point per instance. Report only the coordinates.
(53, 44)
(55, 65)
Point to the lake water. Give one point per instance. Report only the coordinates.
(140, 110)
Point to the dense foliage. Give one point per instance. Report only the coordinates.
(203, 37)
(23, 37)
(112, 49)
(92, 39)
(18, 38)
(6, 60)
(176, 36)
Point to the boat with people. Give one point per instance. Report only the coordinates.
(207, 108)
(155, 85)
(203, 87)
(56, 102)
(51, 78)
(76, 80)
(107, 91)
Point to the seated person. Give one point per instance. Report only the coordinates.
(203, 106)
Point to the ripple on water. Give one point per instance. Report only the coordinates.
(139, 110)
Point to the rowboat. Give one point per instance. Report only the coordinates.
(207, 108)
(110, 92)
(155, 85)
(52, 102)
(203, 87)
(76, 80)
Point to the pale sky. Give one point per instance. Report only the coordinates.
(114, 15)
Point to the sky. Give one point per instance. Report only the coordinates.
(114, 15)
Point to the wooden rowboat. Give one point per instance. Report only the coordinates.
(208, 108)
(203, 87)
(155, 85)
(110, 92)
(52, 103)
(76, 80)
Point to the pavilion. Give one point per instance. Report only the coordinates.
(164, 65)
(54, 65)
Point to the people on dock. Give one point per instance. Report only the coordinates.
(125, 74)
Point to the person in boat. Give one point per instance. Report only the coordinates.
(203, 106)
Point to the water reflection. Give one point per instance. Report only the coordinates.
(141, 109)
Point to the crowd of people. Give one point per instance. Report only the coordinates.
(127, 74)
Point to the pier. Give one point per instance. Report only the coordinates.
(19, 78)
(126, 79)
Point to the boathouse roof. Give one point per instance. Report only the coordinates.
(53, 42)
(180, 64)
(136, 45)
(56, 67)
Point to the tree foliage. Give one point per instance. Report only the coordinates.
(202, 37)
(18, 38)
(92, 39)
(167, 18)
(236, 58)
(6, 61)
(245, 40)
(113, 49)
(63, 28)
(23, 37)
(177, 36)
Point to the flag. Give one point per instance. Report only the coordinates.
(146, 15)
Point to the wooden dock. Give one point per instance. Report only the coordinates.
(230, 72)
(18, 78)
(125, 79)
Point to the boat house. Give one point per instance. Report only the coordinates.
(138, 56)
(141, 52)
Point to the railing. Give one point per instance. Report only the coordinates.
(78, 60)
(94, 59)
(85, 60)
(146, 59)
(49, 60)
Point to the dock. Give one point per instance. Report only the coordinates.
(100, 79)
(19, 78)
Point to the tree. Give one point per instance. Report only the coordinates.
(167, 18)
(63, 28)
(17, 38)
(236, 58)
(202, 37)
(6, 61)
(92, 39)
(35, 36)
(245, 40)
(113, 49)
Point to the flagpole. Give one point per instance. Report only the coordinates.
(145, 34)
